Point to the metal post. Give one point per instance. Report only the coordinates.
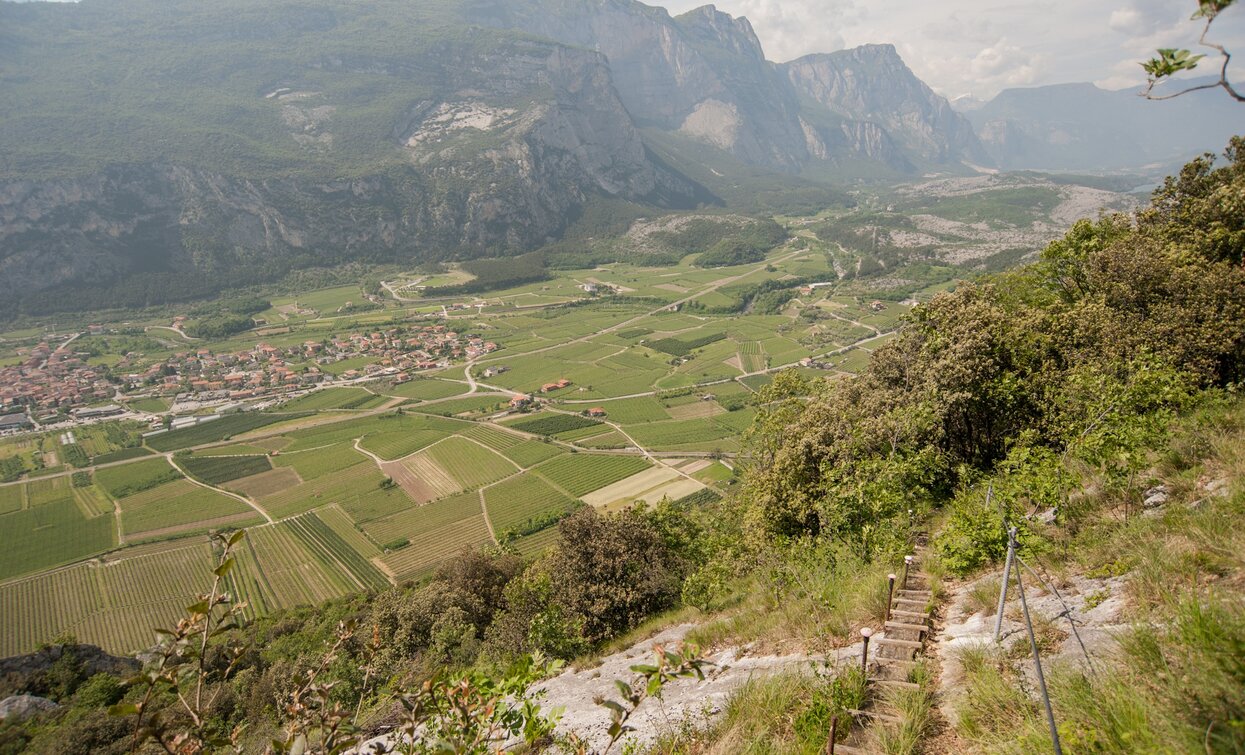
(903, 583)
(1007, 575)
(1037, 664)
(834, 733)
(890, 597)
(864, 654)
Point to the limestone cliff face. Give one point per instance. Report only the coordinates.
(704, 74)
(871, 84)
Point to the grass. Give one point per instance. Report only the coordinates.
(1176, 680)
(815, 595)
(787, 712)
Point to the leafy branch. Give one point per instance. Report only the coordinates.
(1171, 61)
(650, 680)
(181, 669)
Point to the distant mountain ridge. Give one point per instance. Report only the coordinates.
(1082, 127)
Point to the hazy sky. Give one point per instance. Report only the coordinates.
(980, 46)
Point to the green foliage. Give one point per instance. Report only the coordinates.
(1082, 358)
(680, 348)
(11, 468)
(81, 479)
(493, 274)
(219, 326)
(215, 470)
(552, 424)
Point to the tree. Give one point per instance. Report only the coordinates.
(1171, 61)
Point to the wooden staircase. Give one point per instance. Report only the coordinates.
(892, 655)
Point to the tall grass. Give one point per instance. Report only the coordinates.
(1175, 682)
(781, 713)
(813, 596)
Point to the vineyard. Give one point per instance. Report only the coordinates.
(321, 461)
(498, 440)
(679, 433)
(421, 519)
(680, 348)
(116, 604)
(39, 492)
(10, 498)
(628, 411)
(344, 526)
(429, 549)
(396, 444)
(123, 454)
(579, 474)
(426, 390)
(552, 424)
(350, 488)
(321, 538)
(515, 501)
(129, 479)
(531, 452)
(217, 469)
(179, 508)
(50, 534)
(287, 571)
(471, 464)
(465, 405)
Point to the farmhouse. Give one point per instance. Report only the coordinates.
(596, 411)
(547, 387)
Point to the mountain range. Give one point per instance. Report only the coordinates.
(162, 149)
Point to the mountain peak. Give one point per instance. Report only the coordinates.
(737, 32)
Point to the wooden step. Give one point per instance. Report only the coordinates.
(888, 642)
(906, 601)
(914, 593)
(910, 614)
(908, 627)
(875, 715)
(896, 684)
(896, 661)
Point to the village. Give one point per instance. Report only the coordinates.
(53, 381)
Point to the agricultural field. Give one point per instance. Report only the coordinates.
(582, 473)
(433, 474)
(518, 500)
(51, 534)
(334, 398)
(178, 508)
(215, 470)
(129, 479)
(216, 430)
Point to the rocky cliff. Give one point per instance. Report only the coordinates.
(704, 74)
(872, 86)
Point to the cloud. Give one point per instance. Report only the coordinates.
(980, 46)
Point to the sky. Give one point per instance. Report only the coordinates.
(978, 47)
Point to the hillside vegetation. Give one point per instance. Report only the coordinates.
(1070, 386)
